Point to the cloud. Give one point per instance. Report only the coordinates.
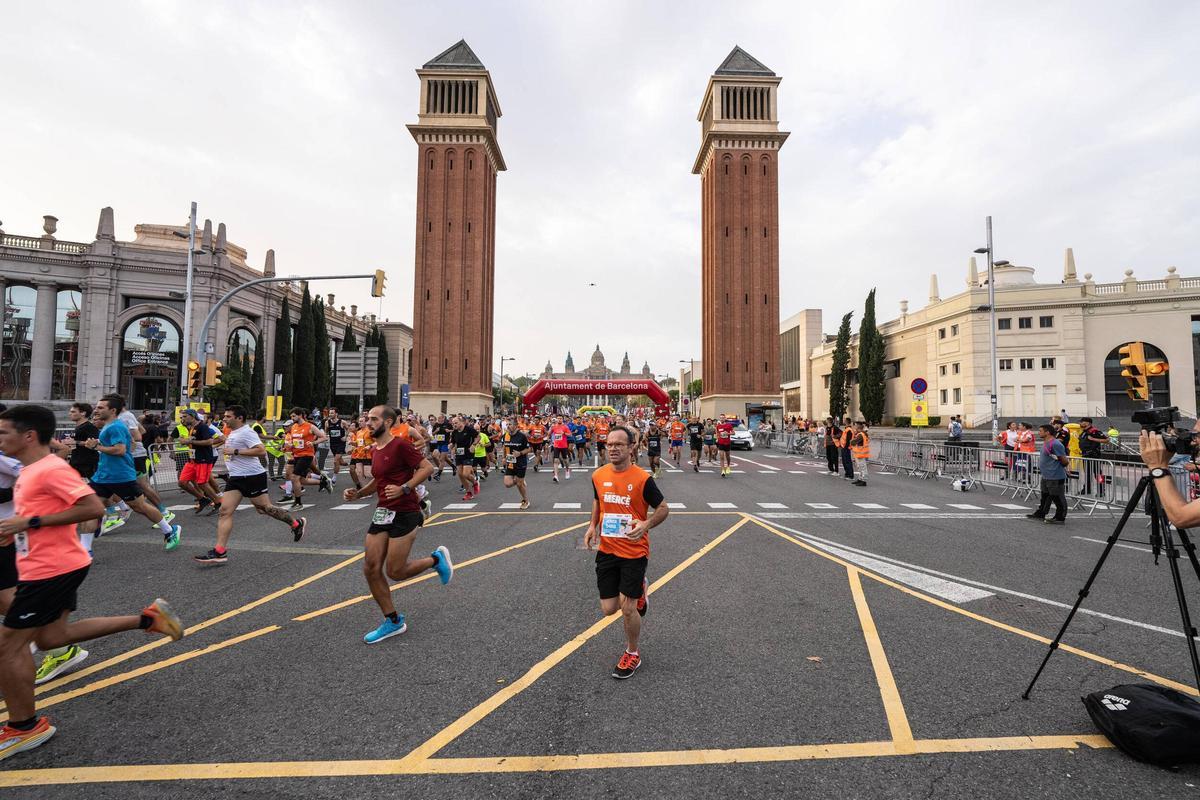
(1073, 124)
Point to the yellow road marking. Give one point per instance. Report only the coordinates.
(430, 575)
(463, 723)
(154, 667)
(444, 766)
(1108, 662)
(892, 705)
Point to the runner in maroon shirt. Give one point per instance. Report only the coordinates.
(724, 443)
(397, 469)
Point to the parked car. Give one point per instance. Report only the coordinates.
(742, 439)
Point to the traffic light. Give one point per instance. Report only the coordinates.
(1155, 369)
(1133, 370)
(212, 372)
(377, 283)
(193, 378)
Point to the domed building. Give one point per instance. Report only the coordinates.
(597, 369)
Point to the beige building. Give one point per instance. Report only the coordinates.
(1056, 347)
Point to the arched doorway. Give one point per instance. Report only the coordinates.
(150, 363)
(1116, 402)
(20, 307)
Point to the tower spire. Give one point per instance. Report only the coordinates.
(972, 274)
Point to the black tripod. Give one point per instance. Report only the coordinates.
(1161, 538)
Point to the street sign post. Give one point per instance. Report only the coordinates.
(920, 414)
(918, 386)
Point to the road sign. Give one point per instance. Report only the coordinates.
(354, 371)
(920, 414)
(918, 397)
(274, 407)
(918, 386)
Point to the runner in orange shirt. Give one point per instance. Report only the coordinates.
(601, 434)
(622, 496)
(677, 430)
(360, 452)
(302, 438)
(537, 440)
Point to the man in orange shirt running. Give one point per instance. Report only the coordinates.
(301, 441)
(537, 440)
(50, 498)
(622, 496)
(601, 431)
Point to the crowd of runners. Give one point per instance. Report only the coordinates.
(58, 493)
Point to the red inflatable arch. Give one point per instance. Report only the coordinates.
(650, 388)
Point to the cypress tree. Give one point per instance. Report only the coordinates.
(258, 376)
(837, 372)
(873, 389)
(322, 366)
(304, 355)
(349, 341)
(283, 352)
(381, 382)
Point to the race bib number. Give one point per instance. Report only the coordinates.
(460, 450)
(383, 516)
(615, 525)
(21, 540)
(298, 442)
(558, 439)
(335, 433)
(511, 458)
(439, 438)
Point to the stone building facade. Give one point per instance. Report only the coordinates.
(458, 159)
(1056, 347)
(599, 370)
(84, 318)
(739, 169)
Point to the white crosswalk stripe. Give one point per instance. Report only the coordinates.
(796, 472)
(768, 471)
(965, 506)
(869, 505)
(1011, 506)
(509, 506)
(721, 505)
(566, 505)
(676, 505)
(349, 506)
(919, 506)
(459, 506)
(820, 505)
(771, 505)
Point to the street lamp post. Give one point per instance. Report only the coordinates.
(187, 303)
(691, 362)
(502, 360)
(991, 281)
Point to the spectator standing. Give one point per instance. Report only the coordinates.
(1090, 440)
(1052, 463)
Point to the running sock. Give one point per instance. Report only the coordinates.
(631, 652)
(86, 540)
(393, 617)
(164, 526)
(287, 487)
(110, 510)
(219, 550)
(162, 509)
(122, 507)
(145, 622)
(23, 725)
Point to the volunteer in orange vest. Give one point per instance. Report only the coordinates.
(860, 450)
(623, 495)
(844, 447)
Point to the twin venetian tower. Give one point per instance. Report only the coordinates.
(458, 158)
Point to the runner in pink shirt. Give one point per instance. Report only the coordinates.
(50, 498)
(560, 443)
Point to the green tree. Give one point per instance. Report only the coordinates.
(381, 383)
(872, 391)
(304, 358)
(233, 388)
(837, 372)
(322, 363)
(674, 395)
(283, 352)
(349, 341)
(696, 387)
(258, 376)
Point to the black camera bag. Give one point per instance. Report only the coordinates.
(1150, 723)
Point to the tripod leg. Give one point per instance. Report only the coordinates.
(1172, 550)
(1108, 547)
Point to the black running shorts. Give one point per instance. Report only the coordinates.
(402, 524)
(619, 575)
(8, 566)
(248, 485)
(127, 491)
(39, 603)
(301, 465)
(724, 448)
(563, 454)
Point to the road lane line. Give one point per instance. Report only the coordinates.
(771, 505)
(919, 506)
(820, 505)
(893, 706)
(460, 726)
(349, 506)
(258, 770)
(1118, 544)
(768, 467)
(722, 505)
(567, 505)
(1099, 659)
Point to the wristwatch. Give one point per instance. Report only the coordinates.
(35, 523)
(1159, 472)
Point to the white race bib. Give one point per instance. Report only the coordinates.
(615, 525)
(21, 540)
(383, 516)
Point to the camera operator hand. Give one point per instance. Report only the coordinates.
(1155, 455)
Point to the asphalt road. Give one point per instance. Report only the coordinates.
(805, 637)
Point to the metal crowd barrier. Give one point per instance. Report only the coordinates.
(1092, 483)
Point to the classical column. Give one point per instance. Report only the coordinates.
(41, 365)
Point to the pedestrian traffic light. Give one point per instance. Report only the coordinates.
(212, 372)
(377, 283)
(1156, 369)
(1133, 370)
(193, 378)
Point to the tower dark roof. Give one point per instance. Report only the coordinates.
(461, 56)
(739, 62)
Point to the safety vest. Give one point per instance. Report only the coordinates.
(271, 444)
(184, 433)
(861, 450)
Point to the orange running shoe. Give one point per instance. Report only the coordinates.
(627, 665)
(163, 619)
(13, 741)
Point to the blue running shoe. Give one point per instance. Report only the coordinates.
(171, 540)
(385, 630)
(442, 564)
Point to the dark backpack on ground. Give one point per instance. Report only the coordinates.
(1150, 723)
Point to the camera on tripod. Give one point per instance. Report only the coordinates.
(1159, 420)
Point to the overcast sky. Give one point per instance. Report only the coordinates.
(1072, 124)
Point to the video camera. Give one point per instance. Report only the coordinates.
(1158, 420)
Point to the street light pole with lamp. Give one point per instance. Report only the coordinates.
(187, 303)
(991, 280)
(502, 360)
(691, 362)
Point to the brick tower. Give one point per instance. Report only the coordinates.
(458, 159)
(738, 168)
